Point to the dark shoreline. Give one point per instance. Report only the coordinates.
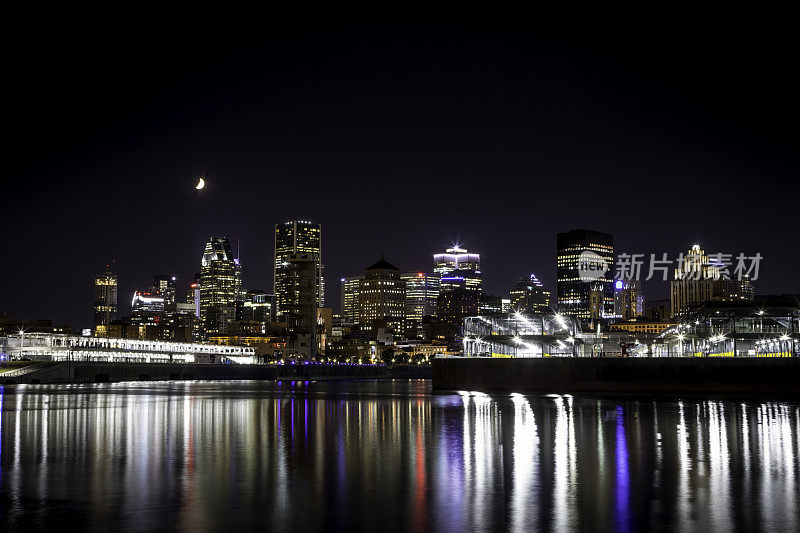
(754, 377)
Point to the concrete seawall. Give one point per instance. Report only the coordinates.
(86, 372)
(666, 374)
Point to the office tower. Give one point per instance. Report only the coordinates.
(381, 297)
(292, 238)
(301, 285)
(628, 299)
(695, 281)
(584, 265)
(105, 298)
(458, 268)
(220, 282)
(422, 290)
(529, 295)
(350, 286)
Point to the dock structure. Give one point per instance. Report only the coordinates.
(64, 347)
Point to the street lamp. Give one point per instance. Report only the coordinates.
(21, 343)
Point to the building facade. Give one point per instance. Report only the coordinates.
(105, 298)
(584, 261)
(301, 285)
(258, 306)
(453, 307)
(220, 283)
(529, 295)
(422, 291)
(736, 290)
(457, 268)
(165, 286)
(350, 287)
(292, 238)
(628, 299)
(695, 281)
(381, 297)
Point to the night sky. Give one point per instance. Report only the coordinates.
(400, 137)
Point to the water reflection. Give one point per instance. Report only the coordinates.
(368, 455)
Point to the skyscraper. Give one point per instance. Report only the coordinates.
(350, 287)
(381, 297)
(422, 290)
(301, 283)
(105, 298)
(529, 295)
(696, 281)
(457, 268)
(220, 282)
(292, 238)
(584, 265)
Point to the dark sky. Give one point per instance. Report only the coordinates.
(400, 137)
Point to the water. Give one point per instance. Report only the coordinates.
(386, 456)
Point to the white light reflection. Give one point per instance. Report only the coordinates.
(719, 464)
(684, 465)
(564, 467)
(524, 511)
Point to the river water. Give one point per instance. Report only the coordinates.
(372, 455)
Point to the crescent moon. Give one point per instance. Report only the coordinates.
(200, 184)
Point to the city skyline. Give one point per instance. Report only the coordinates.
(653, 290)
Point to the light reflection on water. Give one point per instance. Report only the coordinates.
(367, 455)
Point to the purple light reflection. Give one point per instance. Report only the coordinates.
(623, 487)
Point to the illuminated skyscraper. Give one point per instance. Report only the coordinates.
(350, 286)
(291, 238)
(457, 268)
(105, 298)
(422, 290)
(584, 264)
(529, 295)
(381, 297)
(220, 282)
(696, 281)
